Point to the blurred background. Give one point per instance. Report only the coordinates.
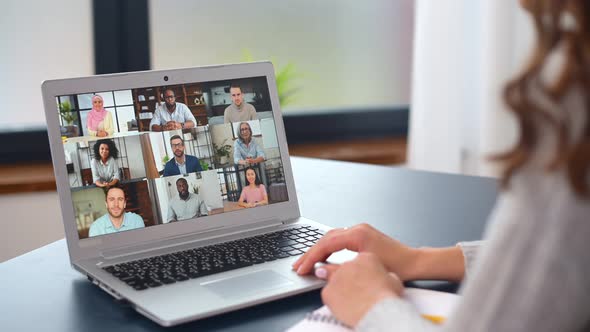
(342, 54)
(412, 83)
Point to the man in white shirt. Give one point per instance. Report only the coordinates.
(172, 115)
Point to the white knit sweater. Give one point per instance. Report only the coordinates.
(533, 273)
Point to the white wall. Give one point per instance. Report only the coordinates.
(509, 33)
(221, 134)
(269, 133)
(41, 40)
(464, 53)
(89, 204)
(135, 157)
(158, 149)
(349, 52)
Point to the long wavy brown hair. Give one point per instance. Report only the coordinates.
(573, 36)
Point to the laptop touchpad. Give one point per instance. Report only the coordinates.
(247, 284)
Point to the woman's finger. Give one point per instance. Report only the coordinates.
(326, 271)
(323, 249)
(303, 257)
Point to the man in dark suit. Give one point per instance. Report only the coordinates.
(181, 163)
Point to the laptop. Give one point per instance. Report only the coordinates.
(176, 188)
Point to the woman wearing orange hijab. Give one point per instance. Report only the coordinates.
(100, 121)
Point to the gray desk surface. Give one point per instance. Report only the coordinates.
(40, 292)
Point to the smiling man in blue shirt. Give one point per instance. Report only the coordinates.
(116, 220)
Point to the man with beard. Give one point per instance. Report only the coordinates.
(172, 115)
(187, 205)
(181, 163)
(116, 220)
(239, 110)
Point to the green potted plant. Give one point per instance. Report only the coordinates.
(204, 165)
(68, 117)
(222, 153)
(286, 77)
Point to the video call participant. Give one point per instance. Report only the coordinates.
(116, 220)
(254, 194)
(172, 115)
(99, 121)
(246, 150)
(181, 163)
(187, 205)
(105, 170)
(238, 110)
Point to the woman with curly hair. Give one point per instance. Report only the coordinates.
(105, 169)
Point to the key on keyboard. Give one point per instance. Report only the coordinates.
(200, 262)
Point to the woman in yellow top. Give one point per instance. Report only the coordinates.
(100, 121)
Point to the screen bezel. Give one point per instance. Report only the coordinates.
(93, 247)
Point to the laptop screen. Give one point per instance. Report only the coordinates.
(155, 155)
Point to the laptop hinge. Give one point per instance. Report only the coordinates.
(179, 240)
(290, 221)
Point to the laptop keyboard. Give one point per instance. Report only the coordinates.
(195, 263)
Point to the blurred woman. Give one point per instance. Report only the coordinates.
(105, 170)
(254, 194)
(246, 150)
(99, 121)
(533, 271)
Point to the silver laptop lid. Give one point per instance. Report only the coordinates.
(176, 148)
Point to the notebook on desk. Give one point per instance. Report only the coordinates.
(433, 306)
(180, 216)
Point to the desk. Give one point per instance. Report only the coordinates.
(40, 292)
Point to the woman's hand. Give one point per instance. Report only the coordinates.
(102, 133)
(354, 287)
(395, 256)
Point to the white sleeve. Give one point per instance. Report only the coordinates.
(188, 115)
(156, 119)
(237, 153)
(95, 176)
(470, 250)
(171, 214)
